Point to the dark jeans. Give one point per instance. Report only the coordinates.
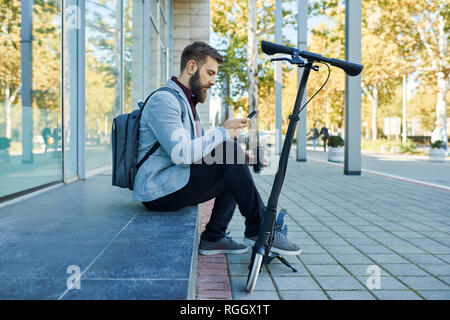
(227, 180)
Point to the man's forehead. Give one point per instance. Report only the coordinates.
(211, 64)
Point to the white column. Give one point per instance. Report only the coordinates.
(302, 26)
(278, 77)
(352, 162)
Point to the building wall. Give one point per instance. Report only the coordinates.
(190, 23)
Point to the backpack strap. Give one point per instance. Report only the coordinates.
(156, 145)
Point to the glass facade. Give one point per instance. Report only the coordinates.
(30, 95)
(159, 43)
(68, 67)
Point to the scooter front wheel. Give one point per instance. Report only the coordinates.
(254, 273)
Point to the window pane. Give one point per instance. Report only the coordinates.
(128, 53)
(102, 78)
(30, 136)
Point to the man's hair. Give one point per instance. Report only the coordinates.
(198, 51)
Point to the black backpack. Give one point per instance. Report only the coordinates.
(125, 142)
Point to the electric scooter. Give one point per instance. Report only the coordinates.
(261, 251)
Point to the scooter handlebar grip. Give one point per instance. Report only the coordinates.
(352, 69)
(271, 48)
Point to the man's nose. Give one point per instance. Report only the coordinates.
(212, 81)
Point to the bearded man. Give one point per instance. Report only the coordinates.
(191, 166)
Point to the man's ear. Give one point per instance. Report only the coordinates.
(191, 67)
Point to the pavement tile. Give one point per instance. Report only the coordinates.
(279, 269)
(339, 283)
(445, 279)
(255, 295)
(296, 283)
(437, 269)
(353, 259)
(262, 284)
(350, 295)
(303, 295)
(362, 270)
(396, 295)
(436, 294)
(312, 249)
(317, 258)
(403, 269)
(436, 249)
(373, 249)
(445, 257)
(342, 249)
(423, 258)
(387, 258)
(424, 283)
(241, 269)
(385, 283)
(326, 270)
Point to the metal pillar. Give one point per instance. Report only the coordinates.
(352, 162)
(27, 90)
(302, 17)
(81, 110)
(278, 77)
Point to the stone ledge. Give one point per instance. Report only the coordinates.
(123, 251)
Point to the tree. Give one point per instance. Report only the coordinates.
(230, 24)
(46, 52)
(426, 43)
(382, 70)
(10, 68)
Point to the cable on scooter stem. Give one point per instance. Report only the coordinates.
(323, 85)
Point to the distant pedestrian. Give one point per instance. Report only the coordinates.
(48, 138)
(325, 135)
(314, 134)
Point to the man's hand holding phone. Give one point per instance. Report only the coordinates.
(233, 126)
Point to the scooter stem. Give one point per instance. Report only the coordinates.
(271, 209)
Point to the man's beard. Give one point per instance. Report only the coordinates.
(197, 88)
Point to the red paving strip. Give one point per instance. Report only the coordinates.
(213, 282)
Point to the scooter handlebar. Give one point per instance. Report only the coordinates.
(271, 48)
(352, 69)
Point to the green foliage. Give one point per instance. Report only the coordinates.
(229, 21)
(4, 143)
(409, 147)
(335, 141)
(438, 144)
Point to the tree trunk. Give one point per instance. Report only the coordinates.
(374, 101)
(9, 99)
(441, 105)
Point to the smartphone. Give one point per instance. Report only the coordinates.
(251, 114)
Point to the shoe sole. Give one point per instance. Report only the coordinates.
(251, 242)
(205, 252)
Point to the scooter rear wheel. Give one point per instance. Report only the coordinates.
(254, 273)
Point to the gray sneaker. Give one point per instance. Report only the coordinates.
(224, 245)
(281, 244)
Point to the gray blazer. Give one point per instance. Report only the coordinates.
(167, 120)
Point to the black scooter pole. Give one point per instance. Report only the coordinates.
(271, 210)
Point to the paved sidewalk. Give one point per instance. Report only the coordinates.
(349, 226)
